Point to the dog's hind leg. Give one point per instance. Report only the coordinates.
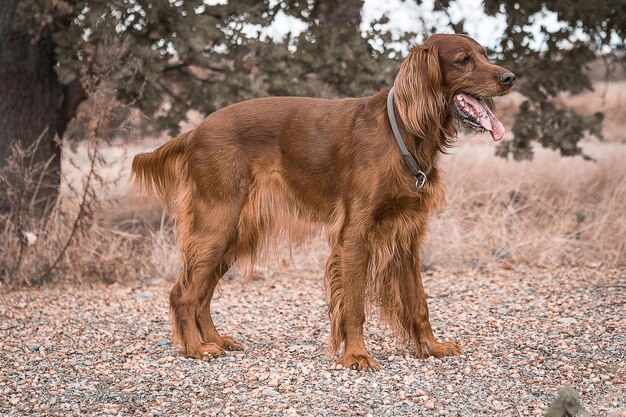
(210, 231)
(208, 332)
(185, 332)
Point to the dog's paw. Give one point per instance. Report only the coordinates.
(360, 362)
(203, 350)
(439, 349)
(228, 343)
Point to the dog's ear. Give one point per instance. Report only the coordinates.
(418, 90)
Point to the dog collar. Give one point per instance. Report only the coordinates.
(411, 163)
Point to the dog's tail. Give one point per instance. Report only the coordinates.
(163, 169)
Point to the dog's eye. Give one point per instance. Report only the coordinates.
(464, 61)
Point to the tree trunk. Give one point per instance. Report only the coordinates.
(31, 102)
(339, 45)
(332, 13)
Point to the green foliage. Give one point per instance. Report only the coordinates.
(555, 63)
(189, 55)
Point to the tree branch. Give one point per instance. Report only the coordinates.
(163, 87)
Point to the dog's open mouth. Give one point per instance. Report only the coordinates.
(474, 113)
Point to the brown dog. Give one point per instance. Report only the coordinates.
(268, 168)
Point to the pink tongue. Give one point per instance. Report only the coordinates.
(497, 129)
(486, 117)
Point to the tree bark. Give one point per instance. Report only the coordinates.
(331, 13)
(31, 100)
(342, 49)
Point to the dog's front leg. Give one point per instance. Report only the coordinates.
(347, 281)
(425, 343)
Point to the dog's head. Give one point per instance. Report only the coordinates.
(450, 78)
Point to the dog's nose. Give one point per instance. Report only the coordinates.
(507, 78)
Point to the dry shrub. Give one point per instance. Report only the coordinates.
(62, 239)
(65, 241)
(544, 212)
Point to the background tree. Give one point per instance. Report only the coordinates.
(34, 102)
(586, 30)
(189, 55)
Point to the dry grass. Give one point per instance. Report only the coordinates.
(545, 212)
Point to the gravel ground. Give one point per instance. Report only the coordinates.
(104, 350)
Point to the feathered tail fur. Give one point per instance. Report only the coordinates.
(162, 170)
